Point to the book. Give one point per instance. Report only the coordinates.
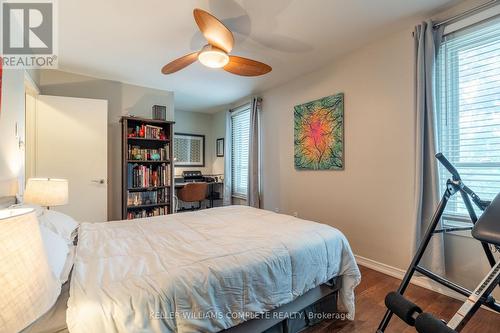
(142, 154)
(140, 213)
(147, 198)
(142, 176)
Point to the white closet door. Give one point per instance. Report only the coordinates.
(71, 142)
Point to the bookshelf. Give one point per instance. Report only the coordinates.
(147, 173)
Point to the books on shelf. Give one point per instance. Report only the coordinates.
(157, 211)
(147, 197)
(146, 132)
(153, 132)
(140, 154)
(147, 166)
(141, 176)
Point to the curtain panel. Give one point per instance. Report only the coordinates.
(427, 42)
(228, 188)
(253, 191)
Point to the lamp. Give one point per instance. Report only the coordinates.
(28, 287)
(213, 57)
(46, 192)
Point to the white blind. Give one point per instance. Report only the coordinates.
(240, 128)
(468, 110)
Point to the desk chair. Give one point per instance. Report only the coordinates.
(193, 192)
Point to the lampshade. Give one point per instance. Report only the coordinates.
(46, 192)
(28, 287)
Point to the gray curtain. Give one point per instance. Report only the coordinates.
(253, 191)
(427, 41)
(227, 162)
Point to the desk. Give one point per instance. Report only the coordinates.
(211, 197)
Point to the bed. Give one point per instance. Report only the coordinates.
(232, 269)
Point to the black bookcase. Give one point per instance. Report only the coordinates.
(148, 170)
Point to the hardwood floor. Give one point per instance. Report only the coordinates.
(370, 308)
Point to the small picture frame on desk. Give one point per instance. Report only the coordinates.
(220, 147)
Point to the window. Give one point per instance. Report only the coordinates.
(240, 133)
(468, 111)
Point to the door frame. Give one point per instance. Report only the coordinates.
(30, 89)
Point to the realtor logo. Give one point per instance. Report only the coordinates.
(28, 34)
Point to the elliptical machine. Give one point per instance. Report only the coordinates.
(486, 229)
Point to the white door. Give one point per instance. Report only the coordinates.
(71, 143)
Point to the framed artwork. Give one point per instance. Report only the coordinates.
(219, 147)
(319, 134)
(189, 150)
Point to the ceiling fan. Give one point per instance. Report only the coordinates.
(216, 53)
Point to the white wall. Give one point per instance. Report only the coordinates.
(123, 99)
(12, 113)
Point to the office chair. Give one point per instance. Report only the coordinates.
(193, 192)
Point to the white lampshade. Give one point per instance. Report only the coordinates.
(46, 192)
(28, 287)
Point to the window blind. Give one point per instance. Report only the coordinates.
(240, 134)
(468, 111)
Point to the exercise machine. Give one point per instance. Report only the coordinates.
(486, 230)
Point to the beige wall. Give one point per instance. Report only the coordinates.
(12, 113)
(123, 99)
(372, 200)
(213, 126)
(201, 124)
(219, 131)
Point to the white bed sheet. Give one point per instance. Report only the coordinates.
(201, 272)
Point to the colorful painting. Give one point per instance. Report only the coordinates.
(319, 134)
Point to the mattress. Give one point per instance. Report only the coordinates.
(54, 321)
(204, 271)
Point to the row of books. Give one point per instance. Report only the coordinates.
(137, 153)
(153, 132)
(147, 197)
(157, 211)
(140, 176)
(146, 132)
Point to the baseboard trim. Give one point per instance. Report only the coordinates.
(421, 281)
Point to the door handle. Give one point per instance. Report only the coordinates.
(98, 181)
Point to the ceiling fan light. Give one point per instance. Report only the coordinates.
(213, 58)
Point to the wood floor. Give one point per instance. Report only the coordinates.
(370, 308)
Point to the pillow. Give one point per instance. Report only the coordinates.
(60, 254)
(28, 288)
(38, 210)
(61, 224)
(6, 202)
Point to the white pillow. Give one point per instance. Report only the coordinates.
(38, 209)
(60, 254)
(61, 224)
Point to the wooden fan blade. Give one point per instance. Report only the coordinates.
(179, 63)
(214, 30)
(246, 67)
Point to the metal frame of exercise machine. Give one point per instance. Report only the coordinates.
(476, 298)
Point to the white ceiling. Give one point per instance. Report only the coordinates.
(130, 40)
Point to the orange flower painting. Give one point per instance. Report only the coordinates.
(319, 134)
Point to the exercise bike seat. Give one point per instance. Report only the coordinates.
(487, 228)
